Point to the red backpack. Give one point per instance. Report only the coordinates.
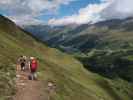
(34, 65)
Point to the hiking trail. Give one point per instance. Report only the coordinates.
(29, 89)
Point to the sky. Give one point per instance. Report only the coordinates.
(65, 12)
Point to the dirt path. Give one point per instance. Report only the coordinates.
(29, 90)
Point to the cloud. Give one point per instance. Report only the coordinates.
(26, 20)
(85, 15)
(118, 9)
(27, 11)
(5, 1)
(107, 9)
(30, 9)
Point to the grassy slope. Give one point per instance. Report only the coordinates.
(72, 80)
(106, 36)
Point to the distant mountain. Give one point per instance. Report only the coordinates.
(102, 35)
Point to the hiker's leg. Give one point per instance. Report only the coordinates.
(32, 75)
(21, 68)
(35, 76)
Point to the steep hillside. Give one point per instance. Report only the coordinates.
(112, 64)
(72, 80)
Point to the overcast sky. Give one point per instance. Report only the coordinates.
(63, 12)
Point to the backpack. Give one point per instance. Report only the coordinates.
(33, 65)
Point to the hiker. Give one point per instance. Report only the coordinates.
(22, 62)
(33, 68)
(27, 63)
(18, 63)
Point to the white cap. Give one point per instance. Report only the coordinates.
(31, 58)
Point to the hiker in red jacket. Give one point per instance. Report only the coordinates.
(33, 68)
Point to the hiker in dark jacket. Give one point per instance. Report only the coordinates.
(22, 62)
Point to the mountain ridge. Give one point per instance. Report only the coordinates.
(103, 32)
